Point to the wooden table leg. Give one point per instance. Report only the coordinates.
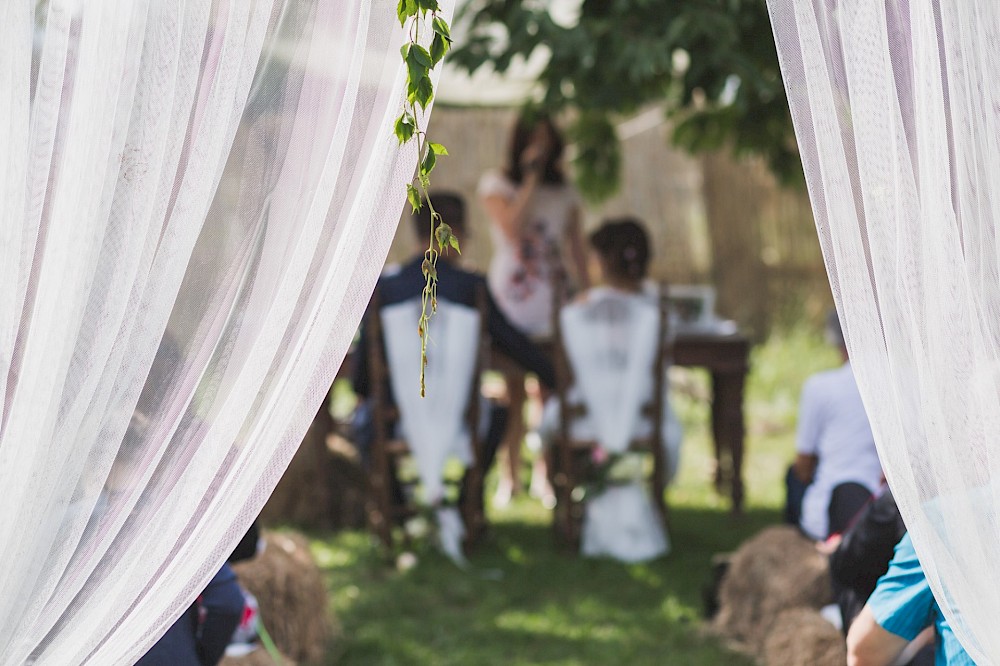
(728, 430)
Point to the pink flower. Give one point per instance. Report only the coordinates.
(598, 455)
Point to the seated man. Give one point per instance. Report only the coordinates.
(836, 468)
(457, 286)
(898, 617)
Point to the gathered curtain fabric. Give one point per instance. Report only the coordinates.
(896, 107)
(196, 197)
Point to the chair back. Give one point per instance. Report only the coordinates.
(436, 427)
(612, 343)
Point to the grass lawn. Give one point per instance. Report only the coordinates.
(525, 602)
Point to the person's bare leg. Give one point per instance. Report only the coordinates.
(540, 486)
(509, 461)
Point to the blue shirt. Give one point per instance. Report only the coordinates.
(903, 604)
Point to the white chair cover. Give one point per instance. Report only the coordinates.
(611, 340)
(435, 426)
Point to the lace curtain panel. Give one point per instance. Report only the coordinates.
(896, 108)
(196, 197)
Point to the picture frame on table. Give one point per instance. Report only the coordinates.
(693, 307)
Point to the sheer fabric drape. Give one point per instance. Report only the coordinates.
(196, 197)
(896, 108)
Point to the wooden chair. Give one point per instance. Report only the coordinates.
(388, 448)
(571, 458)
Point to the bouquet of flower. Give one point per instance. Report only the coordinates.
(607, 469)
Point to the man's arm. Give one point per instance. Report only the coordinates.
(868, 644)
(805, 466)
(516, 345)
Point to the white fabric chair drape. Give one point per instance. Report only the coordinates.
(435, 426)
(195, 199)
(612, 341)
(896, 108)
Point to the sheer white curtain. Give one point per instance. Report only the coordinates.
(896, 108)
(196, 197)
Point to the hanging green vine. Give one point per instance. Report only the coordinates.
(422, 15)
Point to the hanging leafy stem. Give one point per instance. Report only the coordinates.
(420, 61)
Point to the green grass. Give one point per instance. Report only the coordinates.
(526, 602)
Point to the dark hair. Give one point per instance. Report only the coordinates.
(521, 138)
(834, 331)
(451, 207)
(624, 246)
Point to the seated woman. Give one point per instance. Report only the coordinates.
(612, 338)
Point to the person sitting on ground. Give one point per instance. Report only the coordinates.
(457, 286)
(836, 467)
(611, 337)
(200, 636)
(861, 556)
(901, 616)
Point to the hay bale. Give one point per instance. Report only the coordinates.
(258, 657)
(323, 486)
(777, 570)
(801, 637)
(291, 593)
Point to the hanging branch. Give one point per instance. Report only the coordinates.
(419, 93)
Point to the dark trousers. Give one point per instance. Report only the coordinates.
(846, 502)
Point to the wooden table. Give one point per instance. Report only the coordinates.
(727, 358)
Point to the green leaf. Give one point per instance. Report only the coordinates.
(413, 196)
(404, 128)
(437, 148)
(424, 92)
(442, 234)
(440, 26)
(418, 64)
(438, 48)
(428, 269)
(428, 5)
(405, 9)
(453, 241)
(430, 160)
(421, 55)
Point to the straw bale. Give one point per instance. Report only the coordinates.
(801, 637)
(323, 486)
(291, 593)
(776, 570)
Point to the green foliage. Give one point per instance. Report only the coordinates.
(712, 64)
(419, 93)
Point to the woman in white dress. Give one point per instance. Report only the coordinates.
(611, 335)
(535, 227)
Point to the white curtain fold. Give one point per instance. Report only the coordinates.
(196, 197)
(896, 109)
